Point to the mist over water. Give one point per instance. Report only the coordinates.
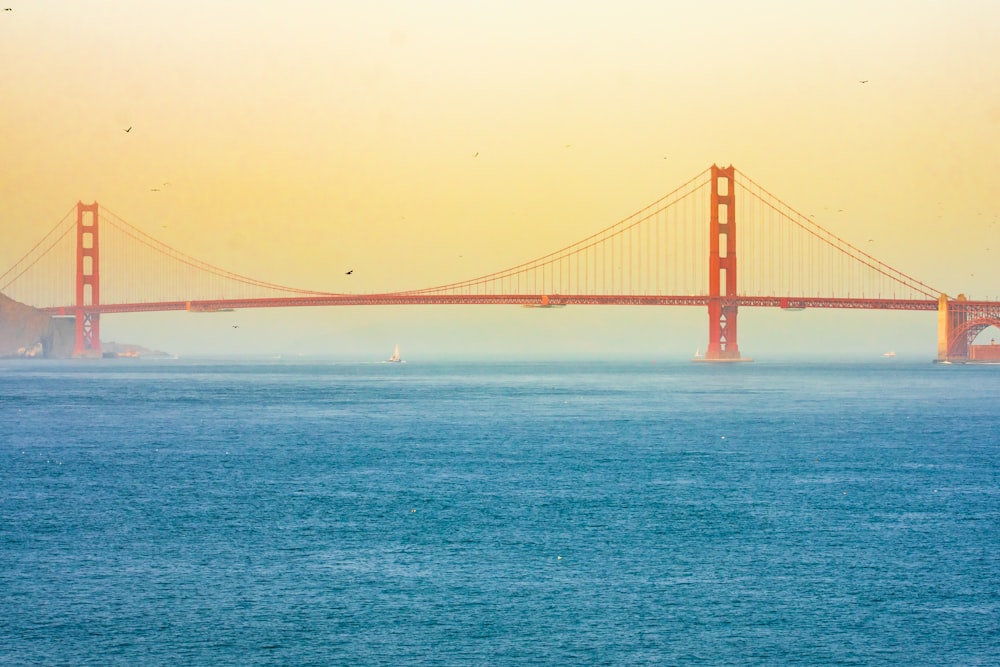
(282, 512)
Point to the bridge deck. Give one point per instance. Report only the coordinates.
(530, 300)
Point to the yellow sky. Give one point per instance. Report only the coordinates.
(302, 138)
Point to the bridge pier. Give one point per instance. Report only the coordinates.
(952, 346)
(722, 306)
(88, 282)
(944, 329)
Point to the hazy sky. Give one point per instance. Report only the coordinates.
(302, 138)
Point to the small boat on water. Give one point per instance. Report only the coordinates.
(395, 356)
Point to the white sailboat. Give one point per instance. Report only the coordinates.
(395, 356)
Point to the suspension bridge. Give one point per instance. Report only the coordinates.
(681, 250)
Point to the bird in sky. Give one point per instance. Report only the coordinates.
(863, 81)
(347, 273)
(128, 129)
(154, 189)
(236, 326)
(8, 9)
(476, 155)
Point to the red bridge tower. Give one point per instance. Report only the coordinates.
(88, 283)
(722, 306)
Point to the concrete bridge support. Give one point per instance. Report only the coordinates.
(952, 345)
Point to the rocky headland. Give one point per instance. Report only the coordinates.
(27, 332)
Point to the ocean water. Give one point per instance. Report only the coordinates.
(281, 513)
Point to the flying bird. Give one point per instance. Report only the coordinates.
(476, 155)
(236, 326)
(347, 273)
(864, 81)
(128, 129)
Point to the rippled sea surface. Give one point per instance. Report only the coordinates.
(175, 512)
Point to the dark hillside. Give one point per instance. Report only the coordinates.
(27, 332)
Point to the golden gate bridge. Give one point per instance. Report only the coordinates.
(681, 250)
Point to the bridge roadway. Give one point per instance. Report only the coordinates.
(529, 300)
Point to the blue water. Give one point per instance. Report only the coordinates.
(166, 513)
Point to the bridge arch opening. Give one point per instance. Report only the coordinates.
(991, 333)
(987, 349)
(983, 342)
